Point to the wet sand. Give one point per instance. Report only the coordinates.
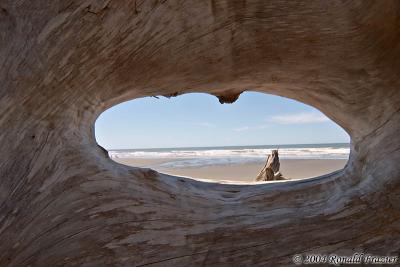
(290, 168)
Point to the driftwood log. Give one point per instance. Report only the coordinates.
(63, 202)
(270, 171)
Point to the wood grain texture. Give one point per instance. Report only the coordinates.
(63, 202)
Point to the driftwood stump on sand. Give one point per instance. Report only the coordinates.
(270, 172)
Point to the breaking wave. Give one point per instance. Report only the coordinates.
(205, 156)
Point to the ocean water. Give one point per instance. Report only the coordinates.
(229, 155)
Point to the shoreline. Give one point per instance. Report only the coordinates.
(243, 172)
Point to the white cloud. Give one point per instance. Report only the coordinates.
(241, 129)
(263, 126)
(299, 118)
(248, 128)
(204, 124)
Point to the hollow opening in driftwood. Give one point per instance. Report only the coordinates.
(133, 133)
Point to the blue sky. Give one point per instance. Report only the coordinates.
(200, 120)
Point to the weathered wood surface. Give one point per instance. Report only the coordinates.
(63, 202)
(270, 171)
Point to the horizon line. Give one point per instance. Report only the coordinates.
(180, 147)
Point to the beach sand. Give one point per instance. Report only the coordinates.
(247, 172)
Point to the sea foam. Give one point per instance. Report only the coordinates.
(205, 156)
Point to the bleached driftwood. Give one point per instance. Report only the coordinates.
(270, 171)
(63, 202)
